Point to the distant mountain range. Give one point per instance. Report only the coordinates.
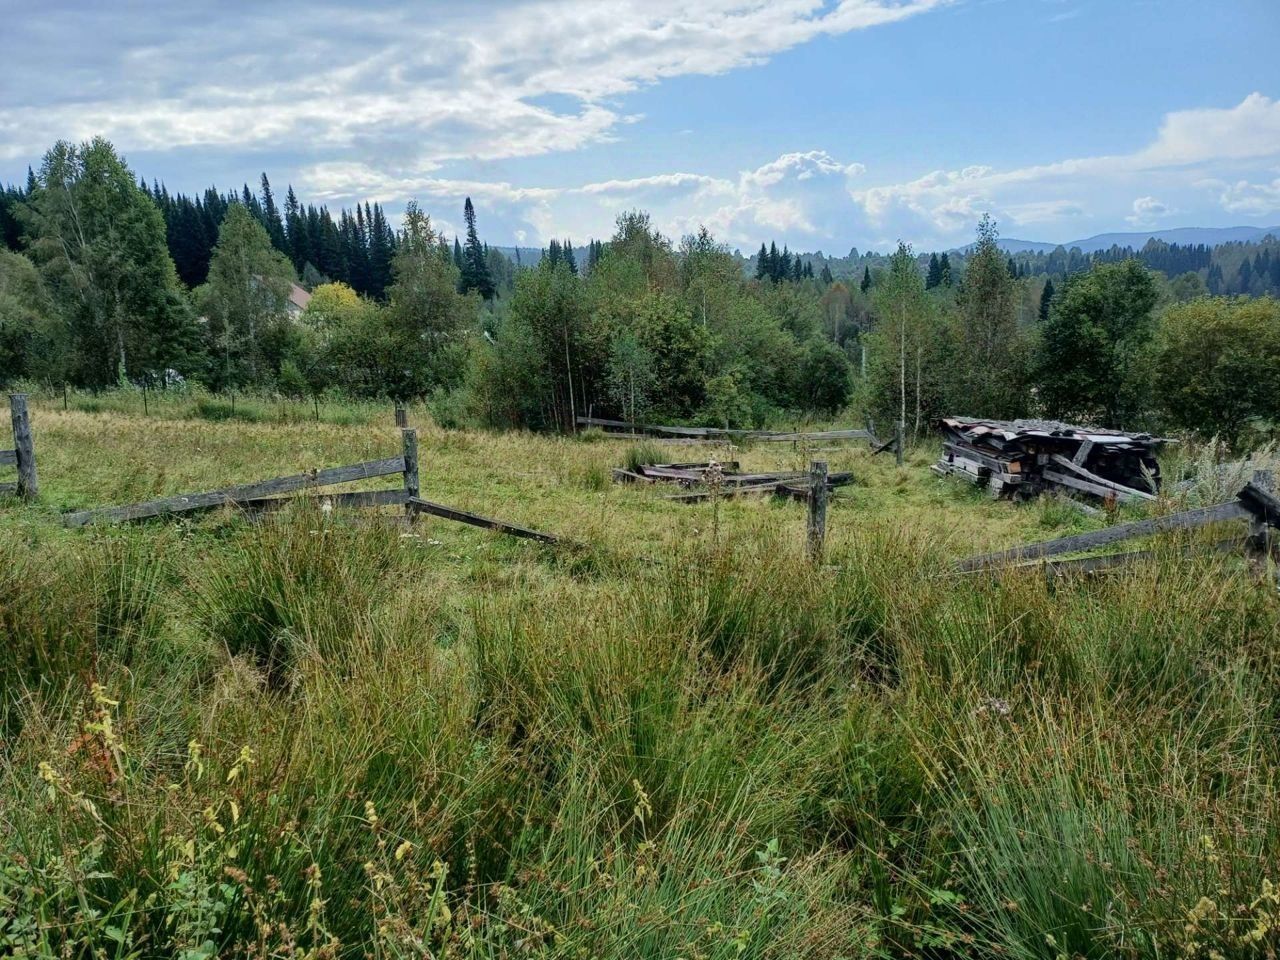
(1209, 236)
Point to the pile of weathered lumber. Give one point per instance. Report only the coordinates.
(708, 479)
(1024, 458)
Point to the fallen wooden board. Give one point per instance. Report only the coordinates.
(8, 488)
(353, 498)
(1111, 561)
(1118, 488)
(8, 458)
(1086, 486)
(189, 502)
(474, 519)
(788, 487)
(1187, 520)
(628, 476)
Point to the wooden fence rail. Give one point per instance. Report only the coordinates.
(1255, 502)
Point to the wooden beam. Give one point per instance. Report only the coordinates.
(8, 458)
(351, 498)
(186, 503)
(475, 520)
(1118, 488)
(1110, 561)
(1187, 520)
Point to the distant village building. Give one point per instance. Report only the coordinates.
(297, 301)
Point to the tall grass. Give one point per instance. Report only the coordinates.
(325, 736)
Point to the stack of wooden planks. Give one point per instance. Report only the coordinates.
(1024, 458)
(707, 479)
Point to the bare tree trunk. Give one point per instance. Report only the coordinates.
(568, 370)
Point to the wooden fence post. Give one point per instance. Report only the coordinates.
(402, 417)
(1259, 529)
(899, 430)
(817, 508)
(24, 445)
(410, 438)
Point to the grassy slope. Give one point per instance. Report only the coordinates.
(676, 741)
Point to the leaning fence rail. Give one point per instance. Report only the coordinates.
(1256, 502)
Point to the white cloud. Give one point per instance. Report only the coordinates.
(1249, 199)
(392, 85)
(937, 207)
(1147, 211)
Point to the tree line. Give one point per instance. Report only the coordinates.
(106, 280)
(1115, 345)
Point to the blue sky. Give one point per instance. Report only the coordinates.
(823, 124)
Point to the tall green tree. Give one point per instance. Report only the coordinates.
(904, 348)
(475, 269)
(246, 294)
(990, 352)
(1046, 300)
(1218, 365)
(428, 320)
(1093, 358)
(100, 244)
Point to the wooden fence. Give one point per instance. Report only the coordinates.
(1256, 502)
(266, 495)
(23, 455)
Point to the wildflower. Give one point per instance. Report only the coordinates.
(371, 814)
(211, 821)
(195, 764)
(404, 850)
(246, 759)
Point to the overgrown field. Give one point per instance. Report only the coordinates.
(345, 736)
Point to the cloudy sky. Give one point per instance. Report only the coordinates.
(823, 124)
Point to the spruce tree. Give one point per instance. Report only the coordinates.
(944, 266)
(1046, 298)
(271, 214)
(475, 272)
(866, 279)
(762, 263)
(570, 259)
(934, 276)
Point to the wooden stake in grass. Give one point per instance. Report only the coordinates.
(817, 508)
(409, 437)
(402, 416)
(24, 447)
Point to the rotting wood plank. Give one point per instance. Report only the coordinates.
(1085, 486)
(1092, 477)
(1264, 503)
(8, 458)
(1186, 520)
(1110, 561)
(187, 503)
(349, 499)
(8, 489)
(630, 476)
(475, 520)
(787, 486)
